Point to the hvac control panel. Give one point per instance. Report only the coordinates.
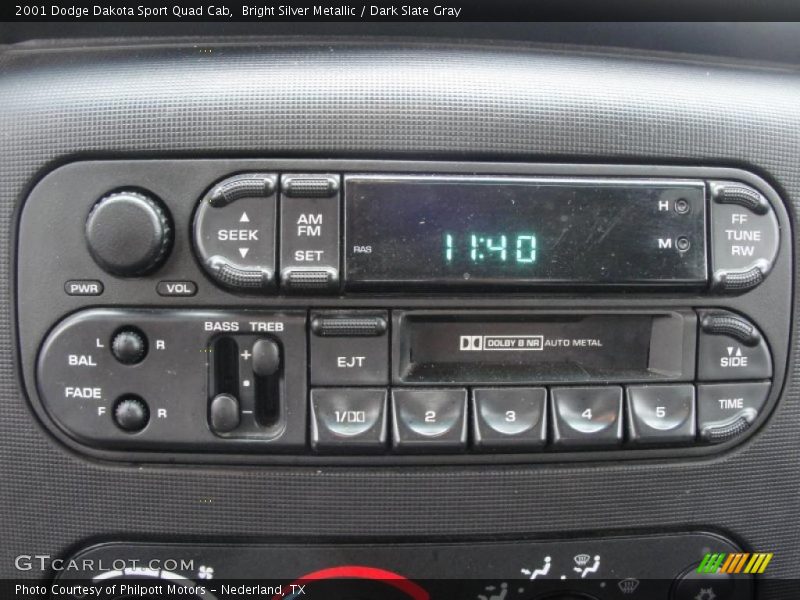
(402, 311)
(674, 566)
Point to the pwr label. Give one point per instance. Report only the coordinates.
(482, 343)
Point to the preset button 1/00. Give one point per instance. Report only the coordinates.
(349, 420)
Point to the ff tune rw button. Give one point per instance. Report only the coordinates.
(744, 236)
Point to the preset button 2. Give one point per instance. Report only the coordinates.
(429, 420)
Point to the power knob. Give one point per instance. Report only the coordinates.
(129, 233)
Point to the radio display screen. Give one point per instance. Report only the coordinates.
(515, 231)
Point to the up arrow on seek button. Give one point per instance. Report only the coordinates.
(244, 218)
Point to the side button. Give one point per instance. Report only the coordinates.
(725, 410)
(730, 347)
(348, 420)
(509, 418)
(432, 420)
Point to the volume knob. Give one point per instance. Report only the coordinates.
(129, 233)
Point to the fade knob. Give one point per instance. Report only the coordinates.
(131, 414)
(129, 233)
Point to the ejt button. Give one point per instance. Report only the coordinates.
(349, 348)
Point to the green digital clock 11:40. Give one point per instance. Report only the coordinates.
(517, 249)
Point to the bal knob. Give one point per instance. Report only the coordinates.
(129, 233)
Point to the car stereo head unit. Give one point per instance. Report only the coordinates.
(382, 311)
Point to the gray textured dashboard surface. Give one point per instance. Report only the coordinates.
(410, 101)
